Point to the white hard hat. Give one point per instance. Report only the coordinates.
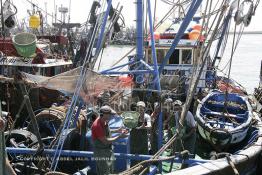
(141, 103)
(178, 103)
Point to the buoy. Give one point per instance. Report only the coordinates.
(156, 36)
(34, 21)
(197, 27)
(194, 34)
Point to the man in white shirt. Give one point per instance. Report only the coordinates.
(138, 136)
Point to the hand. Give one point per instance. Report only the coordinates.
(179, 134)
(119, 130)
(123, 135)
(125, 131)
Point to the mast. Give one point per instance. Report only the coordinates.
(140, 30)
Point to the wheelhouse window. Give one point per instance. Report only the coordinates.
(179, 56)
(160, 54)
(186, 56)
(174, 59)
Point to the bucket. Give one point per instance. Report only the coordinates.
(25, 44)
(130, 119)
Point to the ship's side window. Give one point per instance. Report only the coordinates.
(186, 56)
(149, 56)
(174, 59)
(160, 55)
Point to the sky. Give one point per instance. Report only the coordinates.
(80, 10)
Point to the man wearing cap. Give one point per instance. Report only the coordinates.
(138, 136)
(102, 139)
(187, 137)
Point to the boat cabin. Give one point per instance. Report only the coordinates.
(50, 67)
(182, 60)
(49, 59)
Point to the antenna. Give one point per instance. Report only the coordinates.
(63, 11)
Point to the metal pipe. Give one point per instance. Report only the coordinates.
(99, 42)
(2, 143)
(225, 27)
(156, 75)
(130, 62)
(129, 72)
(140, 30)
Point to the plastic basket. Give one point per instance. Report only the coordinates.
(130, 119)
(25, 44)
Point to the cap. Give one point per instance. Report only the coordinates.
(156, 105)
(141, 103)
(178, 103)
(106, 110)
(168, 100)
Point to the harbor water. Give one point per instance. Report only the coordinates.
(245, 67)
(246, 60)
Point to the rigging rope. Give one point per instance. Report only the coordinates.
(69, 116)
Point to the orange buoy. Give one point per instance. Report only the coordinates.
(194, 34)
(156, 36)
(197, 27)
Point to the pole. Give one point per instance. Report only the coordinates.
(2, 146)
(140, 30)
(99, 42)
(32, 115)
(156, 78)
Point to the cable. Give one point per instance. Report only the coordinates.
(44, 11)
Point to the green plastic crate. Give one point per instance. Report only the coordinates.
(25, 44)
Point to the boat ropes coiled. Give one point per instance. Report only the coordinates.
(244, 13)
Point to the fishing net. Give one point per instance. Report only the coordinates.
(93, 83)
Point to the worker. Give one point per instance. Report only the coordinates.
(138, 135)
(187, 135)
(154, 130)
(168, 117)
(102, 139)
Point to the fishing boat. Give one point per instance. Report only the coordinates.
(173, 65)
(224, 119)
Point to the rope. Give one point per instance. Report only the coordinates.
(75, 98)
(231, 163)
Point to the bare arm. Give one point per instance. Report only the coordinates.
(117, 130)
(110, 140)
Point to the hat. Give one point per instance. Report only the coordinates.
(168, 100)
(156, 105)
(178, 103)
(106, 110)
(141, 103)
